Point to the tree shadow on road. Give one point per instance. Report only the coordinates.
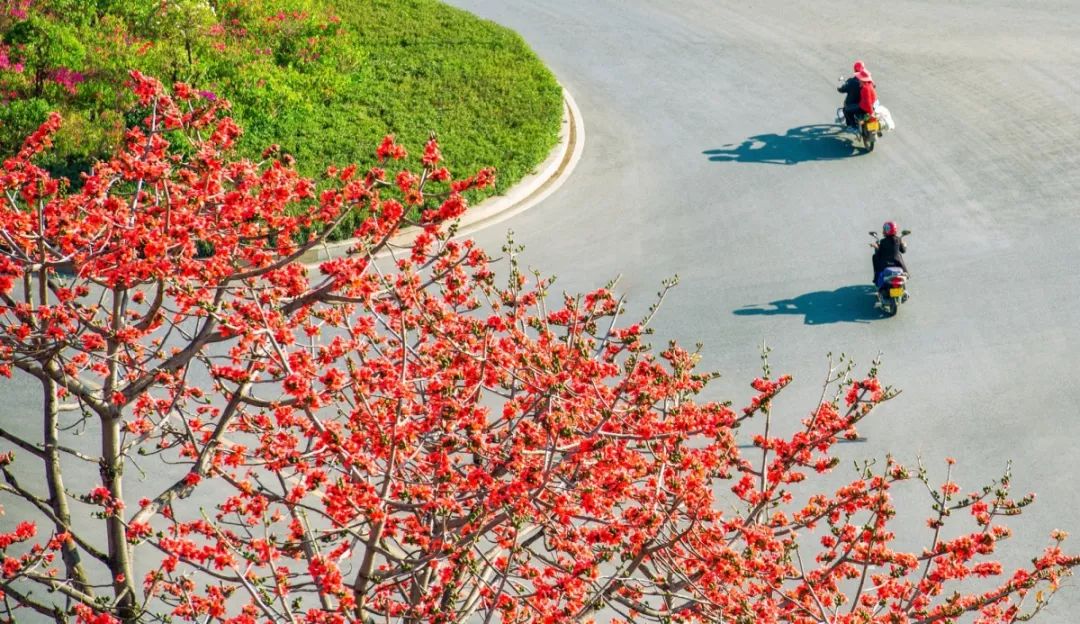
(801, 144)
(849, 304)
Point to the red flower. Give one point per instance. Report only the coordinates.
(432, 155)
(410, 432)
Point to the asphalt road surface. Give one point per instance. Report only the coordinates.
(709, 154)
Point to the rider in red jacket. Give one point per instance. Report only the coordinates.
(867, 95)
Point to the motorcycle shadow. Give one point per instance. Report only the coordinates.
(800, 144)
(849, 304)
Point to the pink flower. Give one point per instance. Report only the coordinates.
(67, 78)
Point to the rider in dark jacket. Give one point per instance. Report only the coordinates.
(852, 89)
(890, 250)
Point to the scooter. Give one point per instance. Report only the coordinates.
(868, 130)
(891, 283)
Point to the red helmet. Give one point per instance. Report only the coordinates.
(858, 67)
(890, 228)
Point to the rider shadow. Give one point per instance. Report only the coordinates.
(849, 304)
(801, 144)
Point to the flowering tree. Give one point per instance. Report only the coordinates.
(402, 438)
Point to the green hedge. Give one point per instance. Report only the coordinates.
(324, 79)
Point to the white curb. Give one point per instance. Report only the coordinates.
(528, 192)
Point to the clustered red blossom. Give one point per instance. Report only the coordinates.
(399, 435)
(87, 615)
(32, 560)
(103, 497)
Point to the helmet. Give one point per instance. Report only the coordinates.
(858, 67)
(889, 228)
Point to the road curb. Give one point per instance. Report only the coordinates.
(530, 191)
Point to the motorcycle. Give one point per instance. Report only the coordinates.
(891, 283)
(868, 130)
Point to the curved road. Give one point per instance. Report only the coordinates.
(706, 156)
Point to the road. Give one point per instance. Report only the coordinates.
(706, 157)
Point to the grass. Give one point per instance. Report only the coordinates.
(325, 80)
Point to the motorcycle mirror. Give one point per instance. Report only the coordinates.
(905, 232)
(873, 233)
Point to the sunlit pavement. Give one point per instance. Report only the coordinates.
(707, 157)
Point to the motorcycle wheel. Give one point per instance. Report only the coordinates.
(893, 306)
(868, 141)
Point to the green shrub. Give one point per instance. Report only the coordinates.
(324, 79)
